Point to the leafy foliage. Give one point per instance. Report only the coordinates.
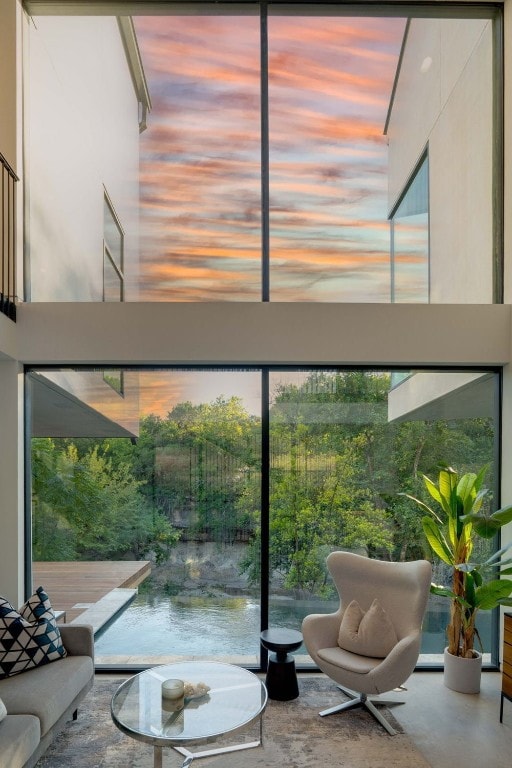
(462, 516)
(84, 507)
(336, 464)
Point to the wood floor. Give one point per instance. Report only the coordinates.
(75, 586)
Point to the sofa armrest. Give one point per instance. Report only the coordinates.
(78, 639)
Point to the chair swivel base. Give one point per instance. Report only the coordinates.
(362, 700)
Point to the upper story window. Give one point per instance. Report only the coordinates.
(279, 139)
(410, 241)
(113, 255)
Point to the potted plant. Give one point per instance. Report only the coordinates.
(462, 515)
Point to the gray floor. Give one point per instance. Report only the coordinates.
(455, 730)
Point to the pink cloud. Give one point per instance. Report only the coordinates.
(330, 80)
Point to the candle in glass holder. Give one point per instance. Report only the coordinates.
(173, 689)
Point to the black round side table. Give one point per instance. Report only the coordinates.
(281, 679)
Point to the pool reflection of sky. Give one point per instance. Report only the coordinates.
(330, 81)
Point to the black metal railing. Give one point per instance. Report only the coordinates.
(7, 239)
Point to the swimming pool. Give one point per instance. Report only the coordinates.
(198, 626)
(155, 625)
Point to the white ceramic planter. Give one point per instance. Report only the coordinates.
(462, 675)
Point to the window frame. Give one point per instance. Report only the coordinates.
(420, 165)
(108, 257)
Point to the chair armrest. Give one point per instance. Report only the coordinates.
(398, 665)
(320, 630)
(78, 639)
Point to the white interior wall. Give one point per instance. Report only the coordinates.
(82, 135)
(264, 333)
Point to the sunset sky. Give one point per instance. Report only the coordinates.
(329, 87)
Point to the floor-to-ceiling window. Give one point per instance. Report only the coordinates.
(235, 484)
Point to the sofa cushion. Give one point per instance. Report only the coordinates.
(19, 738)
(47, 691)
(369, 633)
(29, 637)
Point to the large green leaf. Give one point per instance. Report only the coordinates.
(497, 556)
(478, 578)
(489, 595)
(486, 525)
(447, 483)
(438, 589)
(481, 476)
(453, 535)
(469, 590)
(433, 490)
(465, 490)
(437, 540)
(503, 515)
(479, 499)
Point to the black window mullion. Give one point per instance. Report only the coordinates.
(265, 194)
(265, 508)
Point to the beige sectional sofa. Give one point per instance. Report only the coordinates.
(40, 701)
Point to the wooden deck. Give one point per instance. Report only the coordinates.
(75, 586)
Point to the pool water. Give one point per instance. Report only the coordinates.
(198, 626)
(204, 626)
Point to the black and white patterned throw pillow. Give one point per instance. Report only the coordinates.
(29, 637)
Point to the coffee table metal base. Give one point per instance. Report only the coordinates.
(190, 756)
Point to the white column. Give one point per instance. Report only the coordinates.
(12, 530)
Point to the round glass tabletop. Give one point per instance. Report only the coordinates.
(236, 697)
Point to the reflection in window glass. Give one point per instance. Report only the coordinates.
(113, 235)
(344, 445)
(115, 379)
(330, 81)
(200, 179)
(443, 100)
(170, 474)
(112, 284)
(212, 195)
(410, 242)
(113, 242)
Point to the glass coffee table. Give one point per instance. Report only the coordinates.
(235, 699)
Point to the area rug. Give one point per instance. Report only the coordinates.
(294, 736)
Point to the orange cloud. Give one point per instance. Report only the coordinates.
(330, 80)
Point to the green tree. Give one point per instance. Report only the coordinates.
(221, 441)
(84, 507)
(337, 466)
